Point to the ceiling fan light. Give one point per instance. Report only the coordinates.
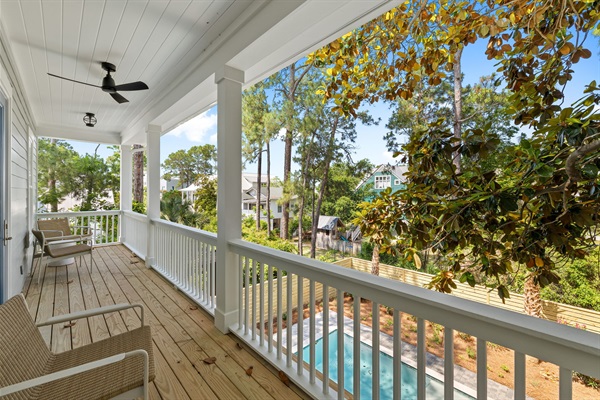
(90, 119)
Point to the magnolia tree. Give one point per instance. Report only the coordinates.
(536, 207)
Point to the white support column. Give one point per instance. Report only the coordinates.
(229, 177)
(126, 187)
(153, 169)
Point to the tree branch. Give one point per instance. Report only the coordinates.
(574, 157)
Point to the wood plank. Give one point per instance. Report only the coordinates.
(130, 317)
(61, 335)
(223, 344)
(46, 307)
(98, 327)
(80, 332)
(114, 322)
(166, 381)
(195, 385)
(32, 292)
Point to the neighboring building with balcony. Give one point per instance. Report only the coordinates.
(193, 55)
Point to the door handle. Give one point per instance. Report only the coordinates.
(6, 233)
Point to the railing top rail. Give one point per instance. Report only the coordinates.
(135, 215)
(194, 233)
(76, 214)
(563, 345)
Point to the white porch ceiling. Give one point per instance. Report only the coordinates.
(173, 46)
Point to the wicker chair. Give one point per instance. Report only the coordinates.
(119, 367)
(61, 249)
(57, 229)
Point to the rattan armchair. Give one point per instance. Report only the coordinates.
(58, 230)
(119, 367)
(62, 249)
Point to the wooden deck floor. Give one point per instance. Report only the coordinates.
(184, 335)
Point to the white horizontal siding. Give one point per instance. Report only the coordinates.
(20, 180)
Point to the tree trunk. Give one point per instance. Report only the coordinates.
(375, 260)
(259, 190)
(138, 174)
(304, 173)
(533, 300)
(457, 106)
(52, 184)
(52, 189)
(268, 187)
(287, 157)
(315, 222)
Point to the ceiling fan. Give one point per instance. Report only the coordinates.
(108, 83)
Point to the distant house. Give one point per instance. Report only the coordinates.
(383, 177)
(168, 185)
(250, 191)
(328, 231)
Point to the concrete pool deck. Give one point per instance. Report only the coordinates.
(464, 380)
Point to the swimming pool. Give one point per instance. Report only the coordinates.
(435, 388)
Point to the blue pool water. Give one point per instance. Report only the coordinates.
(435, 388)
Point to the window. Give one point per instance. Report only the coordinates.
(396, 182)
(382, 181)
(279, 208)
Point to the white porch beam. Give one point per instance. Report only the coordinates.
(84, 134)
(153, 133)
(126, 186)
(229, 194)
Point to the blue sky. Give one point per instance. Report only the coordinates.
(369, 143)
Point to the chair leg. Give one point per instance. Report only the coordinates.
(92, 262)
(33, 258)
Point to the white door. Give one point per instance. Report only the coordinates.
(3, 205)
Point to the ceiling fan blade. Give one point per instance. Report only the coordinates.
(118, 98)
(131, 86)
(73, 80)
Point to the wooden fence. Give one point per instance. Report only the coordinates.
(587, 319)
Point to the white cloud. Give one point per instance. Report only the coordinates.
(388, 157)
(197, 129)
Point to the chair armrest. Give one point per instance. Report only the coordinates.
(68, 239)
(58, 241)
(17, 387)
(51, 230)
(90, 313)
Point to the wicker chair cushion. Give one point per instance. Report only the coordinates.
(24, 355)
(23, 352)
(105, 382)
(71, 250)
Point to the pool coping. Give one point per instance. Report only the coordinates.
(464, 379)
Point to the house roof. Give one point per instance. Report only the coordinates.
(329, 223)
(192, 188)
(397, 171)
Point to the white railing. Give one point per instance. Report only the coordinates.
(187, 257)
(273, 283)
(104, 225)
(134, 232)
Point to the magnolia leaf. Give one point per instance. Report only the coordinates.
(539, 262)
(417, 259)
